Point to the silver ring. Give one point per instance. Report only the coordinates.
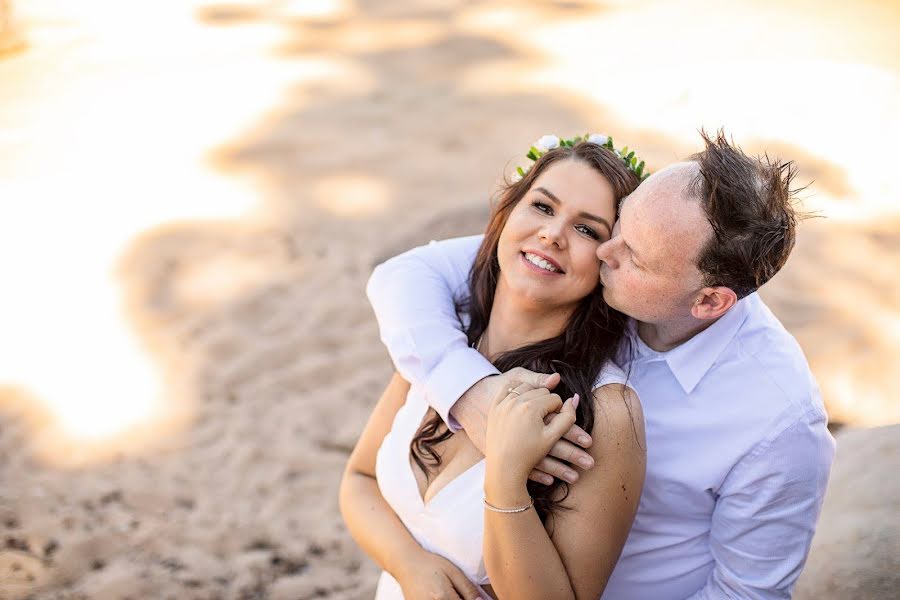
(512, 391)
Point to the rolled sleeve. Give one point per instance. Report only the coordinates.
(414, 297)
(766, 513)
(458, 370)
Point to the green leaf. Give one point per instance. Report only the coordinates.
(640, 169)
(520, 171)
(531, 155)
(624, 150)
(628, 156)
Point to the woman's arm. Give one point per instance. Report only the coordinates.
(369, 518)
(373, 523)
(576, 558)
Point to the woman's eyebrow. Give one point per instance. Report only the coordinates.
(585, 215)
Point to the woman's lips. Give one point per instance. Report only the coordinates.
(543, 256)
(536, 268)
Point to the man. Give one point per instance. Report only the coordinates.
(738, 452)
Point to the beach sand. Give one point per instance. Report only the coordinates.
(193, 199)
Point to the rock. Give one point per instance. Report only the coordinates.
(856, 550)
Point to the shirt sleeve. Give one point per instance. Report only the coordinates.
(766, 513)
(414, 297)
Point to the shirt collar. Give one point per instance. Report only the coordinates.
(690, 361)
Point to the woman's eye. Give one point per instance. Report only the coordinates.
(542, 207)
(587, 231)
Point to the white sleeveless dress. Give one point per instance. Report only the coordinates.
(451, 524)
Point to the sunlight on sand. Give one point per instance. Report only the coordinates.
(113, 141)
(313, 9)
(746, 65)
(351, 194)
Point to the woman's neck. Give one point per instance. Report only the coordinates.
(514, 323)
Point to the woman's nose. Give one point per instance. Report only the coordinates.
(552, 234)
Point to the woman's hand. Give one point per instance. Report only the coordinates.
(433, 577)
(518, 437)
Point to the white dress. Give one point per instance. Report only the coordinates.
(452, 522)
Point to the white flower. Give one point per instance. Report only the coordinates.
(598, 138)
(516, 178)
(548, 142)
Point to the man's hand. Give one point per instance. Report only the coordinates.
(472, 408)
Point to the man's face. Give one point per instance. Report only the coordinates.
(648, 268)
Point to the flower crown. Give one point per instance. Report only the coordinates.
(550, 142)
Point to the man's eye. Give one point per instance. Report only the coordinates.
(542, 207)
(587, 231)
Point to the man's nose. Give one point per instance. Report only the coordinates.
(606, 252)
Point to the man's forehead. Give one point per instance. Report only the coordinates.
(669, 184)
(662, 216)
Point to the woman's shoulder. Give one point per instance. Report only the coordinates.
(617, 402)
(611, 373)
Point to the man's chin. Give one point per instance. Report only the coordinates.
(607, 296)
(610, 300)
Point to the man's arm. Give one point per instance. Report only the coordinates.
(413, 296)
(766, 514)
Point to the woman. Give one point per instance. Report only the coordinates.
(423, 502)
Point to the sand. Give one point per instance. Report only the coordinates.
(193, 199)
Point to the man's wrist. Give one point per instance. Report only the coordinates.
(471, 412)
(471, 400)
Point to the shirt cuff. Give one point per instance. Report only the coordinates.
(452, 377)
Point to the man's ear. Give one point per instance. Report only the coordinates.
(713, 302)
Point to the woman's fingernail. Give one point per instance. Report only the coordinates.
(546, 479)
(575, 400)
(583, 439)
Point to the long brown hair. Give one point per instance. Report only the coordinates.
(578, 353)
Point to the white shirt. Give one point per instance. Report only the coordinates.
(738, 452)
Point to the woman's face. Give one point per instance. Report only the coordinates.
(548, 248)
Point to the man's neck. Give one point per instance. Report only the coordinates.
(663, 337)
(514, 324)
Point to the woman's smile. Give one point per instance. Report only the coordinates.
(541, 264)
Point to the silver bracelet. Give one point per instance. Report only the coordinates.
(491, 507)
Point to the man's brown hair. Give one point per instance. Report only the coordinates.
(750, 205)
